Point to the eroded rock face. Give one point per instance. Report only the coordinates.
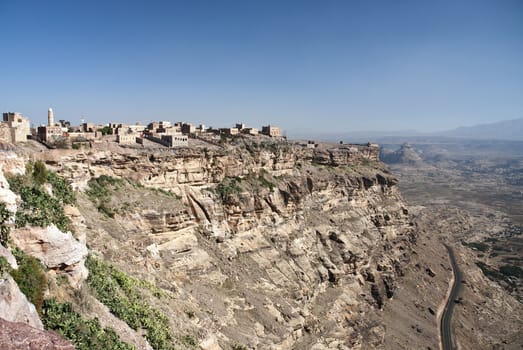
(302, 254)
(6, 195)
(14, 305)
(296, 257)
(56, 249)
(20, 336)
(6, 253)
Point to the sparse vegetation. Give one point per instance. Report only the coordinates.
(5, 217)
(4, 266)
(40, 208)
(505, 274)
(84, 334)
(189, 340)
(30, 277)
(39, 173)
(266, 183)
(99, 192)
(61, 189)
(228, 187)
(120, 293)
(238, 347)
(511, 271)
(106, 130)
(482, 247)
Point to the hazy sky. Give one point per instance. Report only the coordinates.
(306, 65)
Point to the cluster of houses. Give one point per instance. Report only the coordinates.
(16, 128)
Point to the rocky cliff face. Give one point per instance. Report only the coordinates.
(268, 245)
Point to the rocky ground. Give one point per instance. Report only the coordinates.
(478, 191)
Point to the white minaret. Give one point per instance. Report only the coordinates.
(50, 117)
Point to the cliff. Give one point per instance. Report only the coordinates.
(263, 245)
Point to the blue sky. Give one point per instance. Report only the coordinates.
(305, 65)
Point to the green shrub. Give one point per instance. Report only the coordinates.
(238, 347)
(4, 265)
(84, 334)
(39, 208)
(30, 277)
(101, 187)
(39, 173)
(5, 216)
(106, 130)
(189, 340)
(266, 183)
(120, 293)
(228, 187)
(99, 192)
(61, 189)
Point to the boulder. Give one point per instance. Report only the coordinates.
(20, 336)
(56, 249)
(14, 305)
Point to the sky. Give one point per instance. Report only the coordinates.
(307, 66)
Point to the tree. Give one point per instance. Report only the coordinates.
(106, 130)
(39, 173)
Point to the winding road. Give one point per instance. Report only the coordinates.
(446, 317)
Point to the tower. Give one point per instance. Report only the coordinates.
(50, 117)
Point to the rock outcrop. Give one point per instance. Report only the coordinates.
(404, 155)
(56, 249)
(6, 253)
(20, 336)
(14, 305)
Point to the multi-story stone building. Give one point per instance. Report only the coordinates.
(272, 131)
(188, 128)
(50, 132)
(178, 140)
(15, 128)
(126, 138)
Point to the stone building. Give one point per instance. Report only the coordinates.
(311, 144)
(15, 127)
(229, 131)
(136, 128)
(272, 131)
(250, 131)
(188, 128)
(88, 127)
(126, 138)
(178, 140)
(50, 133)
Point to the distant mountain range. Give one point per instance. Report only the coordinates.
(504, 130)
